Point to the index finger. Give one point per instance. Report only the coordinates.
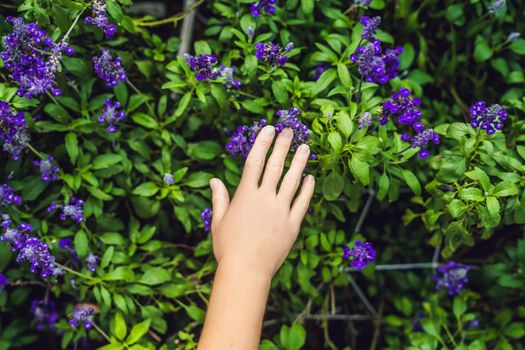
(256, 158)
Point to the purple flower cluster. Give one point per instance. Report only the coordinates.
(370, 26)
(67, 244)
(8, 196)
(82, 315)
(360, 255)
(47, 168)
(272, 54)
(365, 120)
(288, 119)
(91, 262)
(375, 66)
(206, 216)
(256, 8)
(3, 282)
(13, 130)
(203, 66)
(30, 249)
(45, 314)
(488, 118)
(320, 69)
(74, 210)
(168, 179)
(100, 19)
(108, 69)
(112, 115)
(363, 3)
(243, 139)
(405, 109)
(227, 76)
(496, 6)
(32, 58)
(452, 276)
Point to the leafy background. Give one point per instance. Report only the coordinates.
(151, 287)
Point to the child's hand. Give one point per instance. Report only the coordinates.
(258, 228)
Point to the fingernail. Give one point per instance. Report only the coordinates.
(309, 178)
(213, 182)
(287, 133)
(268, 130)
(304, 148)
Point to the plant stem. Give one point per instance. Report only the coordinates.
(362, 296)
(174, 18)
(74, 272)
(38, 154)
(365, 211)
(134, 88)
(66, 36)
(101, 332)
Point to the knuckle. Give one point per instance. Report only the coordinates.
(254, 162)
(274, 167)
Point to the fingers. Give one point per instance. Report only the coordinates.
(300, 206)
(275, 165)
(255, 160)
(220, 199)
(292, 179)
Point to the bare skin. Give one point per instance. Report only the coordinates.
(252, 236)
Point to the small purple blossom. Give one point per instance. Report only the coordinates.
(82, 315)
(40, 260)
(203, 66)
(256, 8)
(16, 237)
(360, 255)
(3, 282)
(227, 76)
(452, 276)
(375, 67)
(67, 244)
(112, 115)
(488, 118)
(168, 179)
(108, 69)
(45, 314)
(363, 3)
(402, 107)
(496, 6)
(420, 140)
(250, 31)
(474, 323)
(370, 26)
(99, 18)
(13, 131)
(272, 54)
(206, 217)
(47, 168)
(320, 69)
(365, 120)
(288, 119)
(91, 262)
(8, 196)
(74, 210)
(243, 138)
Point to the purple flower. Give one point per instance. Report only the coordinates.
(91, 262)
(227, 75)
(365, 120)
(374, 67)
(288, 119)
(82, 315)
(319, 69)
(496, 6)
(100, 19)
(402, 107)
(489, 118)
(74, 210)
(3, 282)
(360, 255)
(473, 323)
(256, 8)
(48, 171)
(32, 58)
(203, 66)
(370, 26)
(421, 139)
(16, 237)
(108, 69)
(250, 31)
(13, 130)
(243, 139)
(45, 314)
(67, 244)
(8, 196)
(452, 276)
(271, 53)
(112, 115)
(168, 179)
(40, 260)
(206, 217)
(363, 3)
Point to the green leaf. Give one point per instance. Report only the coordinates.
(106, 258)
(199, 179)
(183, 104)
(335, 141)
(481, 176)
(360, 169)
(384, 184)
(138, 331)
(218, 94)
(144, 120)
(119, 274)
(505, 189)
(493, 208)
(97, 193)
(204, 150)
(333, 186)
(344, 123)
(105, 161)
(482, 50)
(518, 46)
(81, 244)
(344, 75)
(296, 337)
(515, 330)
(155, 275)
(307, 6)
(120, 326)
(146, 189)
(457, 208)
(459, 307)
(194, 312)
(71, 142)
(471, 194)
(323, 82)
(412, 181)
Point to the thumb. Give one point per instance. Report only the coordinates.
(220, 199)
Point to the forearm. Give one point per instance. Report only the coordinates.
(236, 310)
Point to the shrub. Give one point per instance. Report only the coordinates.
(110, 136)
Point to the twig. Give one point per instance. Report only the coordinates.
(174, 18)
(101, 332)
(435, 258)
(362, 296)
(339, 317)
(377, 324)
(365, 211)
(186, 32)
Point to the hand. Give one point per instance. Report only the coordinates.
(258, 228)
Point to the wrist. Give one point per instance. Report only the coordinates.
(244, 272)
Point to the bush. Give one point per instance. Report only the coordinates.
(106, 162)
